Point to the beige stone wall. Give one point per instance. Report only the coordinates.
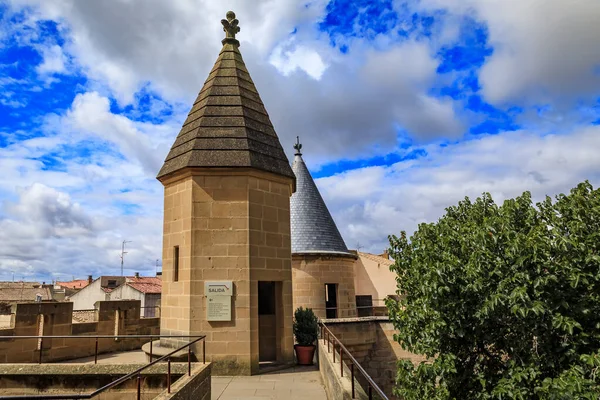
(312, 272)
(371, 342)
(177, 231)
(229, 225)
(197, 386)
(373, 277)
(58, 321)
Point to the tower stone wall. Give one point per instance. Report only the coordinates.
(312, 272)
(229, 225)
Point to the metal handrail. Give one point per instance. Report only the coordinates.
(123, 378)
(353, 362)
(42, 337)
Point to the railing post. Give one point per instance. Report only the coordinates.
(190, 360)
(352, 377)
(328, 342)
(204, 350)
(41, 348)
(169, 375)
(333, 351)
(139, 387)
(96, 352)
(370, 392)
(341, 362)
(151, 348)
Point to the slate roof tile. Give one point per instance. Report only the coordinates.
(313, 228)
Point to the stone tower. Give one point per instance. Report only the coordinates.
(322, 265)
(227, 224)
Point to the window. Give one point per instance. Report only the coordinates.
(111, 283)
(175, 263)
(364, 305)
(331, 300)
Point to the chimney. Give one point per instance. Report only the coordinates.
(90, 279)
(385, 255)
(137, 274)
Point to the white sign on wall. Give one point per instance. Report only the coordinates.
(218, 300)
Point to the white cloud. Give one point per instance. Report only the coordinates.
(288, 60)
(54, 60)
(70, 220)
(545, 51)
(171, 46)
(90, 113)
(370, 203)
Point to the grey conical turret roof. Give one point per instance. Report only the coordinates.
(313, 228)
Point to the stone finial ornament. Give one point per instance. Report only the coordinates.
(298, 146)
(230, 27)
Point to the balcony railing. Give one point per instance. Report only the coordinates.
(334, 342)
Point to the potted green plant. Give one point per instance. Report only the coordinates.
(306, 330)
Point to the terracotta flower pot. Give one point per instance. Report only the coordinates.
(304, 354)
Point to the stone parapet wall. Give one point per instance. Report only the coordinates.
(57, 321)
(371, 342)
(70, 379)
(197, 386)
(336, 386)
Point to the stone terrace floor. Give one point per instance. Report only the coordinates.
(292, 383)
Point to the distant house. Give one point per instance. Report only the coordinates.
(146, 289)
(12, 292)
(20, 292)
(373, 282)
(74, 286)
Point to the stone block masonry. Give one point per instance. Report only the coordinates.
(227, 226)
(371, 342)
(121, 317)
(312, 272)
(72, 379)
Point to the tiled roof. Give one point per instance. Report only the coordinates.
(145, 279)
(376, 258)
(146, 284)
(146, 287)
(24, 293)
(313, 228)
(19, 284)
(76, 284)
(228, 125)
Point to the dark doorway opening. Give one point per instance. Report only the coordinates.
(267, 322)
(364, 305)
(331, 306)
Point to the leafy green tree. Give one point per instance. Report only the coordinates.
(504, 301)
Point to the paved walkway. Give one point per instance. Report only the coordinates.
(292, 383)
(122, 357)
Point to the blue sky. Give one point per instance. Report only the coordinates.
(403, 108)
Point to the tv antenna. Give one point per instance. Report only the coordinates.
(123, 252)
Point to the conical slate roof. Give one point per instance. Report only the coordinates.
(228, 125)
(313, 228)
